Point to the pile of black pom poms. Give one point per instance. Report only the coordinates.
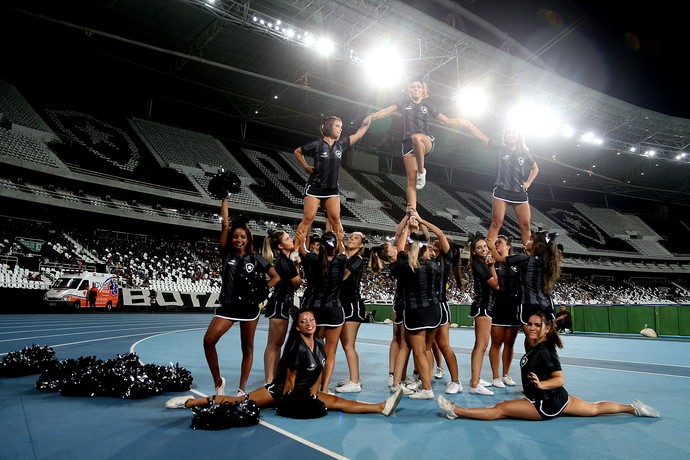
(225, 415)
(121, 377)
(30, 360)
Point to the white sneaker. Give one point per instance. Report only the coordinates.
(498, 383)
(447, 407)
(453, 388)
(391, 380)
(508, 380)
(178, 402)
(414, 386)
(342, 382)
(642, 409)
(410, 380)
(221, 389)
(240, 392)
(349, 387)
(484, 383)
(422, 394)
(480, 390)
(392, 402)
(402, 386)
(439, 373)
(421, 180)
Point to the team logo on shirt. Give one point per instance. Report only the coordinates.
(521, 161)
(324, 154)
(249, 267)
(338, 153)
(311, 366)
(424, 109)
(523, 361)
(513, 268)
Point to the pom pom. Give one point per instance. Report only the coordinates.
(31, 360)
(224, 184)
(225, 415)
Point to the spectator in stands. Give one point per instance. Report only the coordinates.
(538, 270)
(329, 270)
(300, 370)
(505, 324)
(238, 255)
(564, 323)
(322, 185)
(278, 246)
(93, 295)
(355, 312)
(482, 266)
(543, 384)
(417, 140)
(515, 173)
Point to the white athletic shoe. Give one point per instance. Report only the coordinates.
(221, 389)
(422, 394)
(484, 383)
(401, 385)
(439, 373)
(421, 180)
(392, 402)
(453, 388)
(447, 407)
(349, 387)
(178, 402)
(480, 390)
(498, 383)
(508, 380)
(643, 410)
(391, 380)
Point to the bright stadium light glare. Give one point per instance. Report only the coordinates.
(383, 66)
(534, 119)
(325, 46)
(473, 101)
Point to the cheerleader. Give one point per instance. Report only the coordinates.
(278, 246)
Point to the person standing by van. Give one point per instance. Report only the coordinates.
(93, 295)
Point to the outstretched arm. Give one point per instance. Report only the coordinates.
(383, 113)
(360, 132)
(445, 244)
(471, 129)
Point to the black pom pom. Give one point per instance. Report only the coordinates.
(30, 360)
(224, 184)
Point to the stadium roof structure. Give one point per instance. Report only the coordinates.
(243, 68)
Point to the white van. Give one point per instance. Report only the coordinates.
(71, 290)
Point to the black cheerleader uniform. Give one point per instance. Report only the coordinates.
(511, 172)
(532, 295)
(230, 306)
(353, 305)
(325, 299)
(543, 360)
(308, 364)
(323, 182)
(415, 120)
(422, 306)
(445, 261)
(506, 311)
(484, 299)
(283, 298)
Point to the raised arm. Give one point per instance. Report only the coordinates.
(383, 113)
(471, 129)
(224, 223)
(354, 138)
(443, 241)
